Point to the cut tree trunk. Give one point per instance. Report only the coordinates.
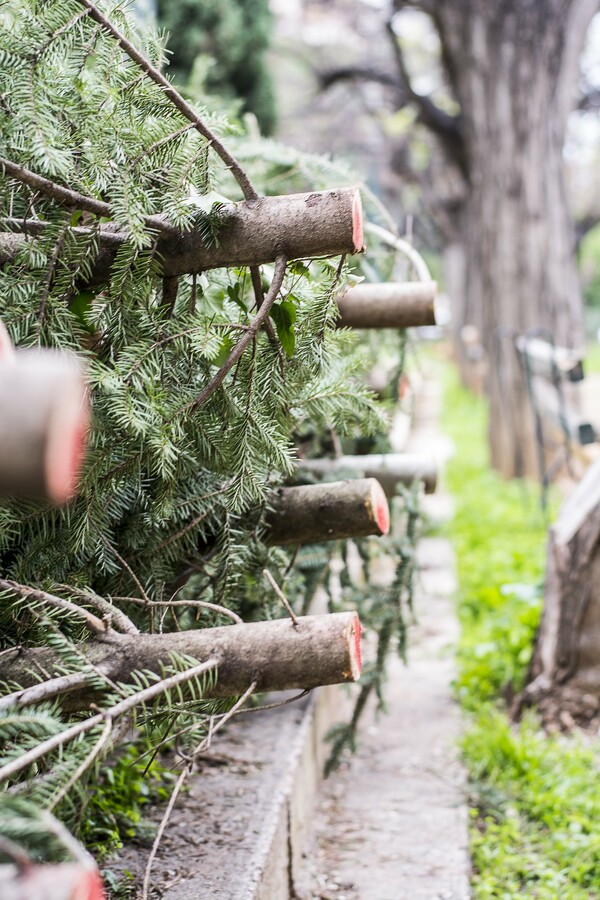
(565, 672)
(253, 232)
(390, 469)
(514, 71)
(60, 881)
(388, 305)
(312, 513)
(43, 422)
(277, 655)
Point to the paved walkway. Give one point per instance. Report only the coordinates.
(392, 824)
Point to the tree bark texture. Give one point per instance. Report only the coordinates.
(312, 513)
(253, 232)
(279, 655)
(388, 305)
(390, 469)
(513, 68)
(43, 422)
(566, 663)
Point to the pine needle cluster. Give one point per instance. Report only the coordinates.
(173, 493)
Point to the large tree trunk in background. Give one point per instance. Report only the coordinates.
(514, 70)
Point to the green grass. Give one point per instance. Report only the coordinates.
(535, 799)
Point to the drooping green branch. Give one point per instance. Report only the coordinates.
(248, 189)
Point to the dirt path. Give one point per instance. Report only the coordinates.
(392, 824)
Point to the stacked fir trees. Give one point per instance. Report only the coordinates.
(206, 316)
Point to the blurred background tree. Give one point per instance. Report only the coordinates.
(226, 41)
(471, 102)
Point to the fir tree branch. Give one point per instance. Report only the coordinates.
(45, 690)
(199, 604)
(446, 127)
(247, 338)
(248, 189)
(73, 198)
(124, 706)
(87, 762)
(259, 297)
(52, 264)
(116, 616)
(94, 624)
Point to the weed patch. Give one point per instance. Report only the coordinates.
(535, 826)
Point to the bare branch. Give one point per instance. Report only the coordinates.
(248, 189)
(72, 198)
(446, 127)
(199, 604)
(95, 625)
(87, 762)
(116, 616)
(245, 340)
(329, 77)
(282, 597)
(46, 690)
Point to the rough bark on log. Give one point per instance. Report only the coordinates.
(60, 881)
(566, 663)
(388, 305)
(390, 469)
(278, 655)
(253, 232)
(311, 513)
(43, 420)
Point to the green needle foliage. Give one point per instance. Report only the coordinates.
(173, 493)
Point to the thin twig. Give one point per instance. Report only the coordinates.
(282, 597)
(164, 140)
(87, 762)
(46, 690)
(201, 604)
(161, 828)
(95, 625)
(202, 746)
(51, 268)
(128, 569)
(73, 198)
(117, 617)
(257, 709)
(247, 338)
(248, 189)
(124, 706)
(259, 297)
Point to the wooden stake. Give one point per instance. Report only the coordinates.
(390, 469)
(311, 513)
(388, 305)
(277, 655)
